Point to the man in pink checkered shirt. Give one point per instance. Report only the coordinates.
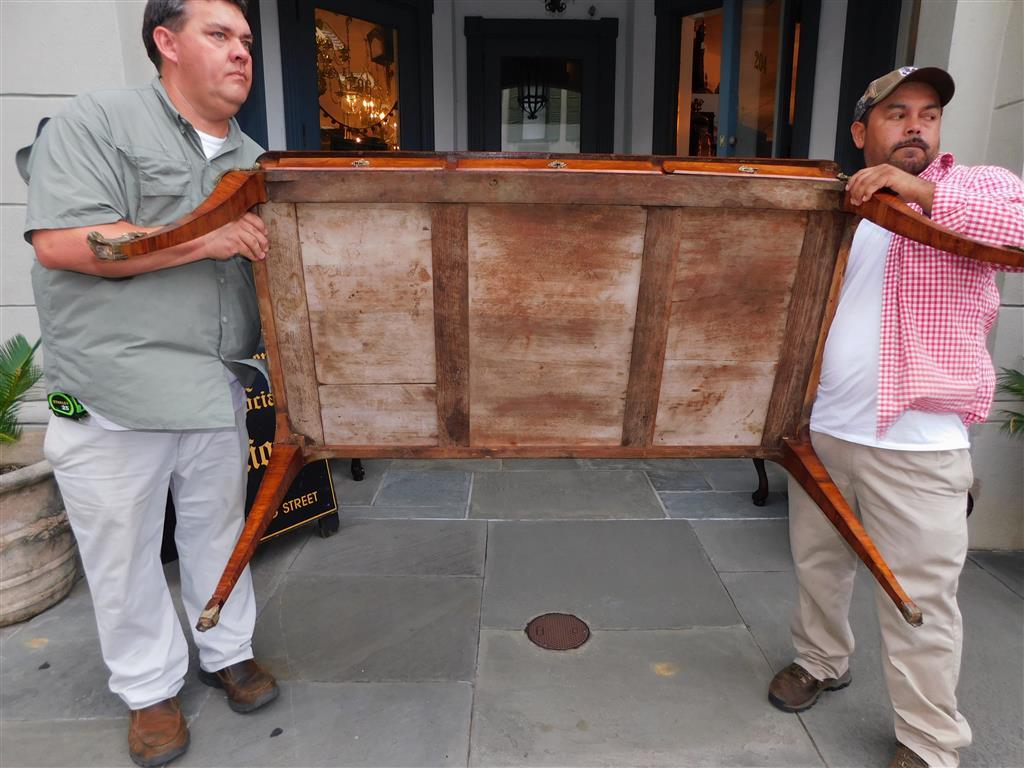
(905, 370)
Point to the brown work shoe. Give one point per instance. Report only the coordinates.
(157, 734)
(794, 689)
(246, 683)
(905, 757)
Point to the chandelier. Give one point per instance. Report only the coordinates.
(358, 102)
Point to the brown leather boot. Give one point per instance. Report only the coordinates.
(157, 734)
(905, 757)
(246, 683)
(794, 689)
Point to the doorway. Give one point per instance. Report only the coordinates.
(541, 85)
(358, 74)
(734, 77)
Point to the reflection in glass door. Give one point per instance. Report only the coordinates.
(737, 74)
(540, 104)
(758, 72)
(357, 82)
(700, 77)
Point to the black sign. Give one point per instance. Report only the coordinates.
(311, 495)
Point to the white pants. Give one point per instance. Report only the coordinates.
(913, 505)
(114, 485)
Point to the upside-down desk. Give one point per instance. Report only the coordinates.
(482, 305)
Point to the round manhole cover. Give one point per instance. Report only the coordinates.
(558, 631)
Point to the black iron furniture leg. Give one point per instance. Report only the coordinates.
(356, 468)
(760, 496)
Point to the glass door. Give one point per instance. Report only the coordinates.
(357, 82)
(358, 74)
(734, 66)
(541, 104)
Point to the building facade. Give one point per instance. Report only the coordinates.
(745, 78)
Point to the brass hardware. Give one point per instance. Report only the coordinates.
(558, 164)
(361, 163)
(842, 177)
(747, 169)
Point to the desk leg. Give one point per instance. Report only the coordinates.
(799, 458)
(286, 460)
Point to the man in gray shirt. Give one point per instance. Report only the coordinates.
(147, 350)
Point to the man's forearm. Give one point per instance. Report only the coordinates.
(67, 249)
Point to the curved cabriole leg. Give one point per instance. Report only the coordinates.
(799, 458)
(286, 460)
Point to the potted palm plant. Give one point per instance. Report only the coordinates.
(38, 563)
(1011, 382)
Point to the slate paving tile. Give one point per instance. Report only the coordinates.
(1007, 567)
(402, 488)
(399, 548)
(651, 698)
(613, 574)
(93, 743)
(853, 727)
(740, 475)
(378, 512)
(514, 465)
(678, 480)
(349, 491)
(440, 465)
(563, 494)
(342, 724)
(654, 465)
(718, 505)
(328, 628)
(746, 545)
(991, 695)
(272, 560)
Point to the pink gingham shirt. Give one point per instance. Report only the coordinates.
(937, 308)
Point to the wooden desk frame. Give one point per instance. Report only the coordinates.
(620, 227)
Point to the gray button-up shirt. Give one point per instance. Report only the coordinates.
(148, 352)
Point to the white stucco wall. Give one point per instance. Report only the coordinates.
(984, 124)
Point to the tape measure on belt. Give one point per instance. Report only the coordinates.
(66, 406)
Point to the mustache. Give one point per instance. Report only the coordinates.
(919, 143)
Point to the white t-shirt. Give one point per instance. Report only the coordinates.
(847, 402)
(211, 146)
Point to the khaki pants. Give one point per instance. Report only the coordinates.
(913, 506)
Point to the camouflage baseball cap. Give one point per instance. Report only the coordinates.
(937, 78)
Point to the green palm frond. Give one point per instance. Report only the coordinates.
(1011, 382)
(17, 376)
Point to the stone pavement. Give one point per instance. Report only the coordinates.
(399, 641)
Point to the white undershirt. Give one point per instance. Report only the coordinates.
(211, 143)
(847, 402)
(211, 146)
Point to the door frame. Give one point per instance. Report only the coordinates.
(488, 40)
(669, 17)
(412, 19)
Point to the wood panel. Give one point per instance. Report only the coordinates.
(291, 349)
(662, 237)
(553, 294)
(380, 414)
(733, 281)
(369, 282)
(451, 322)
(713, 402)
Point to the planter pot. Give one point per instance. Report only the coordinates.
(38, 563)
